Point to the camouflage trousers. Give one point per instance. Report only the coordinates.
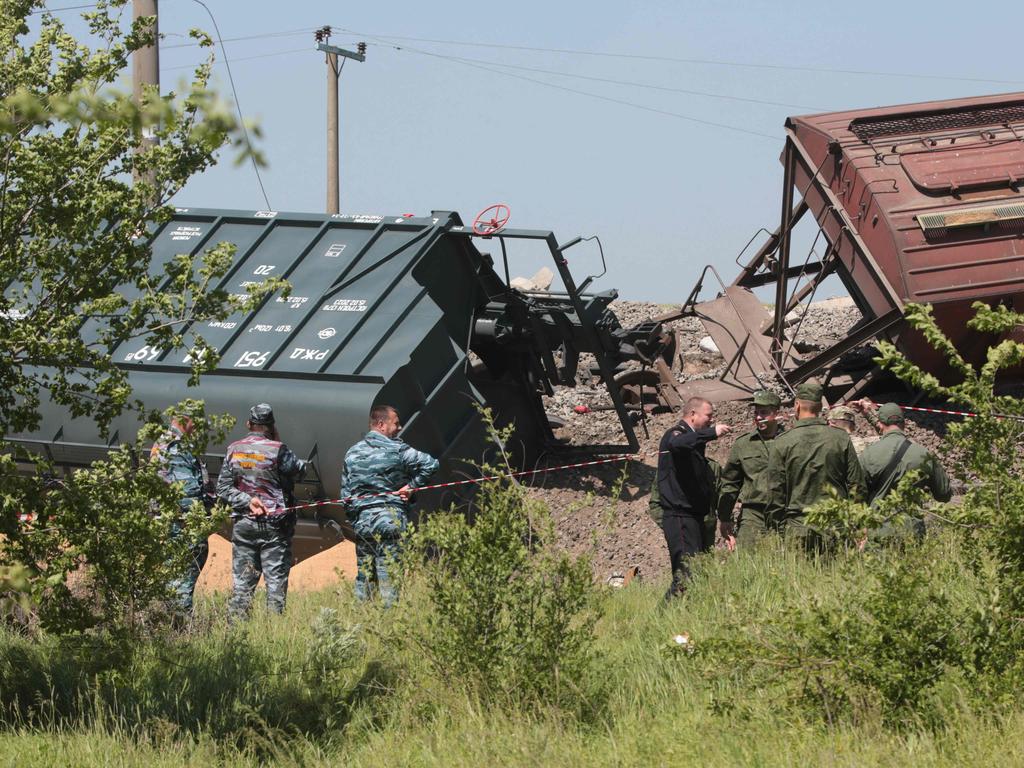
(260, 547)
(184, 586)
(379, 534)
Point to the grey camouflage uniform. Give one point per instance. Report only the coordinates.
(258, 466)
(374, 467)
(178, 465)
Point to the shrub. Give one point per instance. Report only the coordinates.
(509, 615)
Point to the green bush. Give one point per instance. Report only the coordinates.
(509, 615)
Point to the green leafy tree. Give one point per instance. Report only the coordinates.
(76, 266)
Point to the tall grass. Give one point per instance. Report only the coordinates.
(335, 681)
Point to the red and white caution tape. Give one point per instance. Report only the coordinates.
(475, 480)
(945, 412)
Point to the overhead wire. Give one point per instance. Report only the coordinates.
(635, 84)
(600, 97)
(65, 8)
(238, 107)
(261, 36)
(243, 58)
(678, 60)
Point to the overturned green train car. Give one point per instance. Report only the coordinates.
(399, 310)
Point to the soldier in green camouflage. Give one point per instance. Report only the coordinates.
(894, 456)
(177, 465)
(843, 417)
(806, 460)
(744, 476)
(378, 479)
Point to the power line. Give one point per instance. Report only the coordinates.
(600, 97)
(676, 60)
(65, 8)
(634, 84)
(288, 33)
(243, 58)
(238, 106)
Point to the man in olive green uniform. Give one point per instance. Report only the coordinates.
(842, 416)
(806, 460)
(744, 475)
(886, 462)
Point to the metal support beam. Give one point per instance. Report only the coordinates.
(747, 275)
(782, 262)
(867, 331)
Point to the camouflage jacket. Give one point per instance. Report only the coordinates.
(805, 460)
(877, 456)
(378, 464)
(745, 474)
(261, 467)
(176, 464)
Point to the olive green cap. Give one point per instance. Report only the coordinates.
(767, 398)
(890, 413)
(811, 391)
(844, 412)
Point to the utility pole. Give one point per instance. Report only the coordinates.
(146, 65)
(322, 36)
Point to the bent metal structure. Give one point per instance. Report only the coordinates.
(398, 310)
(916, 203)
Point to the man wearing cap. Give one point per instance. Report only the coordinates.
(744, 476)
(843, 417)
(806, 460)
(257, 476)
(686, 487)
(378, 479)
(886, 462)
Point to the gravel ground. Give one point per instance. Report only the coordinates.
(618, 530)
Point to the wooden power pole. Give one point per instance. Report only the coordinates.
(146, 64)
(322, 36)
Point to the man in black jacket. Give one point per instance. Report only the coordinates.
(686, 486)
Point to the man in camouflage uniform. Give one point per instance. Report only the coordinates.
(803, 462)
(177, 465)
(744, 475)
(256, 480)
(886, 462)
(378, 478)
(843, 417)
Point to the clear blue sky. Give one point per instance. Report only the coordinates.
(422, 131)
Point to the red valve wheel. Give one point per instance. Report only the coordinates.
(489, 226)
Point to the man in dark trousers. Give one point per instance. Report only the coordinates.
(686, 487)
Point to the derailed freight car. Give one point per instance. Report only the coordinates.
(398, 310)
(913, 203)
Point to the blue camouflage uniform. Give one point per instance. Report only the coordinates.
(176, 464)
(258, 466)
(377, 465)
